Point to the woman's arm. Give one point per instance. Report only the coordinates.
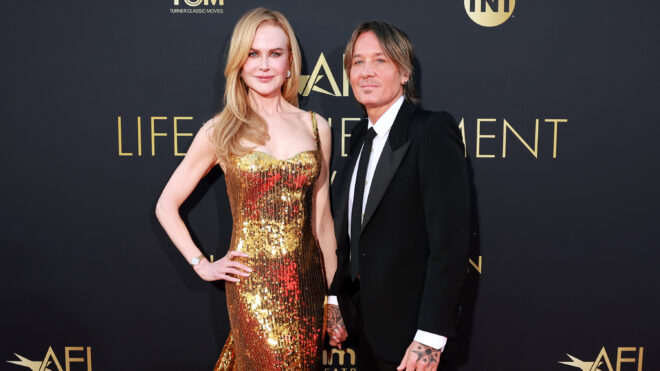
(198, 162)
(322, 223)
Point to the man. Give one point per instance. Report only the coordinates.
(401, 215)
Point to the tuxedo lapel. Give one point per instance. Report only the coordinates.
(387, 165)
(341, 207)
(393, 153)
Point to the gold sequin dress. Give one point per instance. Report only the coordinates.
(277, 313)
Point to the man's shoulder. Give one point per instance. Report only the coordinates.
(427, 116)
(425, 123)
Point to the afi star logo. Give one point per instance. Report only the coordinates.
(309, 83)
(51, 363)
(603, 362)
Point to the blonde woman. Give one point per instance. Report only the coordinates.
(275, 158)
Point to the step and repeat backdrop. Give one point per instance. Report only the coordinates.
(557, 102)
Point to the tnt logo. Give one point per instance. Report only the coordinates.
(489, 13)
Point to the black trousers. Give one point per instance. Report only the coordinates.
(367, 360)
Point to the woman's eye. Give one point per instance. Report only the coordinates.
(252, 54)
(380, 60)
(275, 54)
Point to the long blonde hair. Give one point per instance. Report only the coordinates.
(238, 120)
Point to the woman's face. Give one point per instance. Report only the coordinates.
(265, 69)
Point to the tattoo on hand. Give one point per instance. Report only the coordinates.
(427, 354)
(335, 320)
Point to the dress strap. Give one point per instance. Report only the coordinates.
(316, 129)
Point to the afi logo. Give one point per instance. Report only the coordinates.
(309, 83)
(633, 356)
(50, 361)
(489, 13)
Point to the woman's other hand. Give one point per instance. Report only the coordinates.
(224, 269)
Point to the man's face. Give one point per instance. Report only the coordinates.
(375, 79)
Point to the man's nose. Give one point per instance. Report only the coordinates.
(366, 70)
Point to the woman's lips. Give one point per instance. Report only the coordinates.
(264, 78)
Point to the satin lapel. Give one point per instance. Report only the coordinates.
(393, 153)
(387, 165)
(341, 207)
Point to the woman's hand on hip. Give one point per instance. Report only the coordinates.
(224, 269)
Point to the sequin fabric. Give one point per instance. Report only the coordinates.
(277, 313)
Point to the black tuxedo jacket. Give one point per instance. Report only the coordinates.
(415, 235)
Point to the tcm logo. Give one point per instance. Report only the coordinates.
(315, 80)
(340, 362)
(489, 13)
(50, 362)
(195, 3)
(627, 358)
(198, 7)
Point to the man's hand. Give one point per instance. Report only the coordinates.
(336, 329)
(420, 357)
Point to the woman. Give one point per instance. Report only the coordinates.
(276, 163)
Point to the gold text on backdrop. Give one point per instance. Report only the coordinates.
(481, 136)
(155, 132)
(163, 130)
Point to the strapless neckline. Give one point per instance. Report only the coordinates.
(285, 159)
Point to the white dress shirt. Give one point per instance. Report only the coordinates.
(382, 128)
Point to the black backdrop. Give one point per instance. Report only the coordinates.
(567, 255)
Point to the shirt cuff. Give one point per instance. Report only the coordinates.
(332, 300)
(429, 339)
